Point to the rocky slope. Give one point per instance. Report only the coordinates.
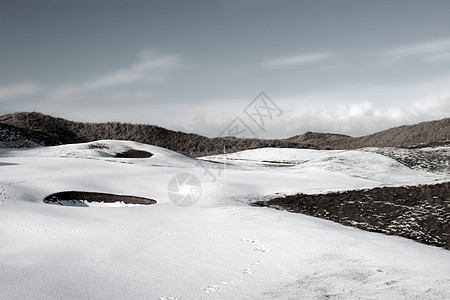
(421, 213)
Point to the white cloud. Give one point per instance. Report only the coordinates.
(355, 112)
(296, 60)
(357, 119)
(18, 90)
(150, 69)
(364, 118)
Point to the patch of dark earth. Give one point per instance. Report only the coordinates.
(420, 213)
(132, 153)
(75, 198)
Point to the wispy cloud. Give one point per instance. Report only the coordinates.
(150, 68)
(432, 51)
(133, 95)
(18, 90)
(440, 57)
(298, 59)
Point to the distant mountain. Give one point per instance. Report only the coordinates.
(33, 129)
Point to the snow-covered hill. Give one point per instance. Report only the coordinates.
(368, 164)
(106, 150)
(219, 248)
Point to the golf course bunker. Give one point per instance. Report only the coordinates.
(132, 153)
(86, 199)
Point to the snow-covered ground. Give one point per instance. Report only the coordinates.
(219, 248)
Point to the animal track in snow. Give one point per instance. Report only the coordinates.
(217, 235)
(211, 289)
(257, 263)
(250, 270)
(34, 230)
(249, 240)
(127, 232)
(216, 287)
(173, 234)
(262, 249)
(3, 197)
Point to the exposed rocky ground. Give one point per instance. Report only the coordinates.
(421, 213)
(436, 159)
(46, 130)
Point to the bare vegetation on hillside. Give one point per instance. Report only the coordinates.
(54, 131)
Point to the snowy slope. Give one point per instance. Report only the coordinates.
(219, 248)
(374, 168)
(105, 150)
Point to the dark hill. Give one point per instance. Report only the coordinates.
(410, 136)
(13, 137)
(33, 129)
(62, 131)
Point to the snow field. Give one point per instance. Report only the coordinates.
(220, 248)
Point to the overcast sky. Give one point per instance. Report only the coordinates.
(352, 67)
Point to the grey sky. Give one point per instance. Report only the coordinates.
(352, 67)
